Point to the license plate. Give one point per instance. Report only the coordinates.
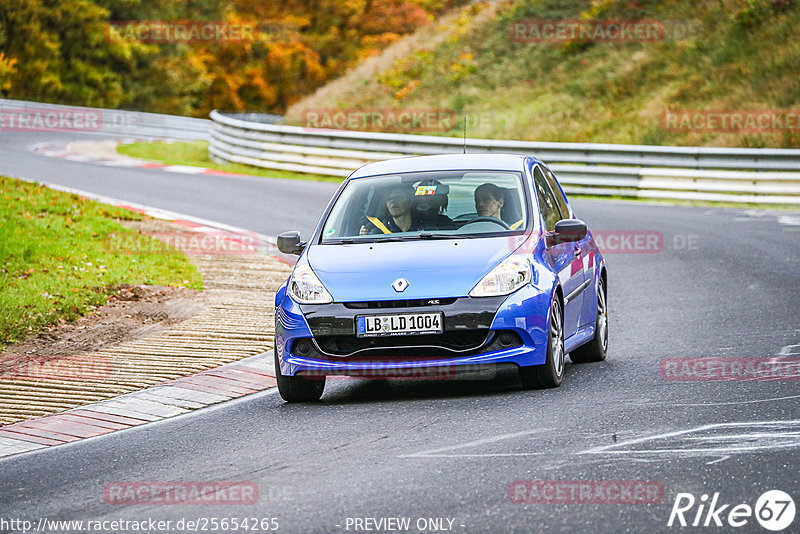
(399, 324)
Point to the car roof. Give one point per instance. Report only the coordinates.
(444, 162)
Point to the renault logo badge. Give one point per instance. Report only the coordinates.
(400, 285)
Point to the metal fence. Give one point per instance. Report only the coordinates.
(690, 173)
(111, 121)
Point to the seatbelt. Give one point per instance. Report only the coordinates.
(516, 224)
(379, 225)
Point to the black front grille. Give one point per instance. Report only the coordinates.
(460, 314)
(455, 341)
(384, 304)
(450, 344)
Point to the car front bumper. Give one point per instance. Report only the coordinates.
(479, 333)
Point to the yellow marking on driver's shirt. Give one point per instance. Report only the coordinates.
(378, 224)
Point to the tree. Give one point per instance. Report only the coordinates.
(65, 50)
(56, 51)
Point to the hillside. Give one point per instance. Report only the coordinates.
(707, 56)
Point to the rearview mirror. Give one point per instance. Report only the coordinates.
(289, 243)
(567, 231)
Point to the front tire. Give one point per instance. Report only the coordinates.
(597, 349)
(297, 388)
(549, 374)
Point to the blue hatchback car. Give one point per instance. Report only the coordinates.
(438, 265)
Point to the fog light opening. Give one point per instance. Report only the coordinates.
(302, 347)
(506, 339)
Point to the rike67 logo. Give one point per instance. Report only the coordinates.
(774, 510)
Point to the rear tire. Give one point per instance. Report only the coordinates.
(297, 388)
(597, 349)
(549, 374)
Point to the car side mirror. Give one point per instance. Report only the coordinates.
(289, 243)
(567, 231)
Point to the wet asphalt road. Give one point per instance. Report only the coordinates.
(725, 283)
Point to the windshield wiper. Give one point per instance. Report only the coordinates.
(390, 238)
(428, 235)
(384, 239)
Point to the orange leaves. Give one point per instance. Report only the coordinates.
(402, 93)
(391, 16)
(300, 45)
(295, 47)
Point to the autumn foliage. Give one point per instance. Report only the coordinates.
(62, 51)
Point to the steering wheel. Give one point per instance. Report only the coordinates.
(488, 219)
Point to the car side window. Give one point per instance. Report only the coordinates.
(547, 201)
(562, 202)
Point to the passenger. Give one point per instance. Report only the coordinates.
(489, 201)
(400, 219)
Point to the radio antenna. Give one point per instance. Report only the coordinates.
(465, 135)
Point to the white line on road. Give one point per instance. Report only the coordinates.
(777, 438)
(436, 452)
(756, 401)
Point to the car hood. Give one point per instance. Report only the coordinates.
(433, 268)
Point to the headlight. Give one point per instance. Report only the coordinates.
(513, 273)
(305, 287)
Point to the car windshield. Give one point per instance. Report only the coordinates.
(428, 205)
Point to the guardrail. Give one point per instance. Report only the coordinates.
(112, 121)
(689, 173)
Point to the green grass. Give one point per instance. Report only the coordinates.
(195, 153)
(60, 254)
(741, 54)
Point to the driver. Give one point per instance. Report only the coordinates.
(400, 219)
(489, 200)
